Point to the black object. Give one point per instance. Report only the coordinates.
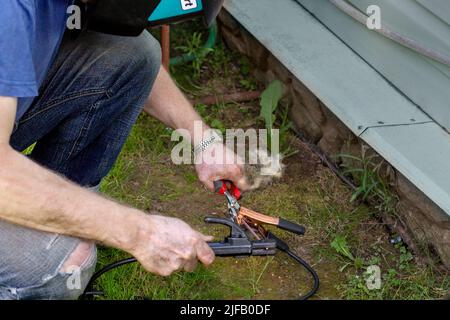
(291, 227)
(238, 243)
(131, 17)
(120, 17)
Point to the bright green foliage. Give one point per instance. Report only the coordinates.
(270, 100)
(340, 245)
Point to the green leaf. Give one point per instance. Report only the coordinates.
(217, 124)
(269, 102)
(347, 156)
(340, 245)
(355, 196)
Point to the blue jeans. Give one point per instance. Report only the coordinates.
(87, 105)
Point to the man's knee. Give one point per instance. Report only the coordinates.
(138, 62)
(113, 62)
(76, 272)
(69, 281)
(142, 54)
(147, 52)
(147, 61)
(78, 257)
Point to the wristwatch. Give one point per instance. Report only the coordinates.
(206, 143)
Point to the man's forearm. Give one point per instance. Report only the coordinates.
(34, 197)
(169, 105)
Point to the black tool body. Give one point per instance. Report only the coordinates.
(238, 244)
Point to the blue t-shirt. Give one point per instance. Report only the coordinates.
(30, 35)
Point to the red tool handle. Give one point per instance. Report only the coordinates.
(222, 186)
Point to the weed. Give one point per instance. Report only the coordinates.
(405, 257)
(247, 84)
(256, 273)
(270, 100)
(400, 275)
(219, 60)
(371, 186)
(209, 114)
(340, 245)
(271, 112)
(195, 48)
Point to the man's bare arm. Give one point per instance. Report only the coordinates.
(168, 104)
(37, 198)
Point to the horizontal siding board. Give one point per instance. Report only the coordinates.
(440, 8)
(421, 153)
(424, 81)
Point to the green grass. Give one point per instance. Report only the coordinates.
(131, 282)
(342, 238)
(401, 279)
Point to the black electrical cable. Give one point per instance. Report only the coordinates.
(284, 247)
(281, 245)
(89, 293)
(313, 273)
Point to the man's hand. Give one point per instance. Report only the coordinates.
(166, 245)
(214, 166)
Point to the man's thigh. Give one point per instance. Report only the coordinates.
(88, 103)
(31, 265)
(88, 70)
